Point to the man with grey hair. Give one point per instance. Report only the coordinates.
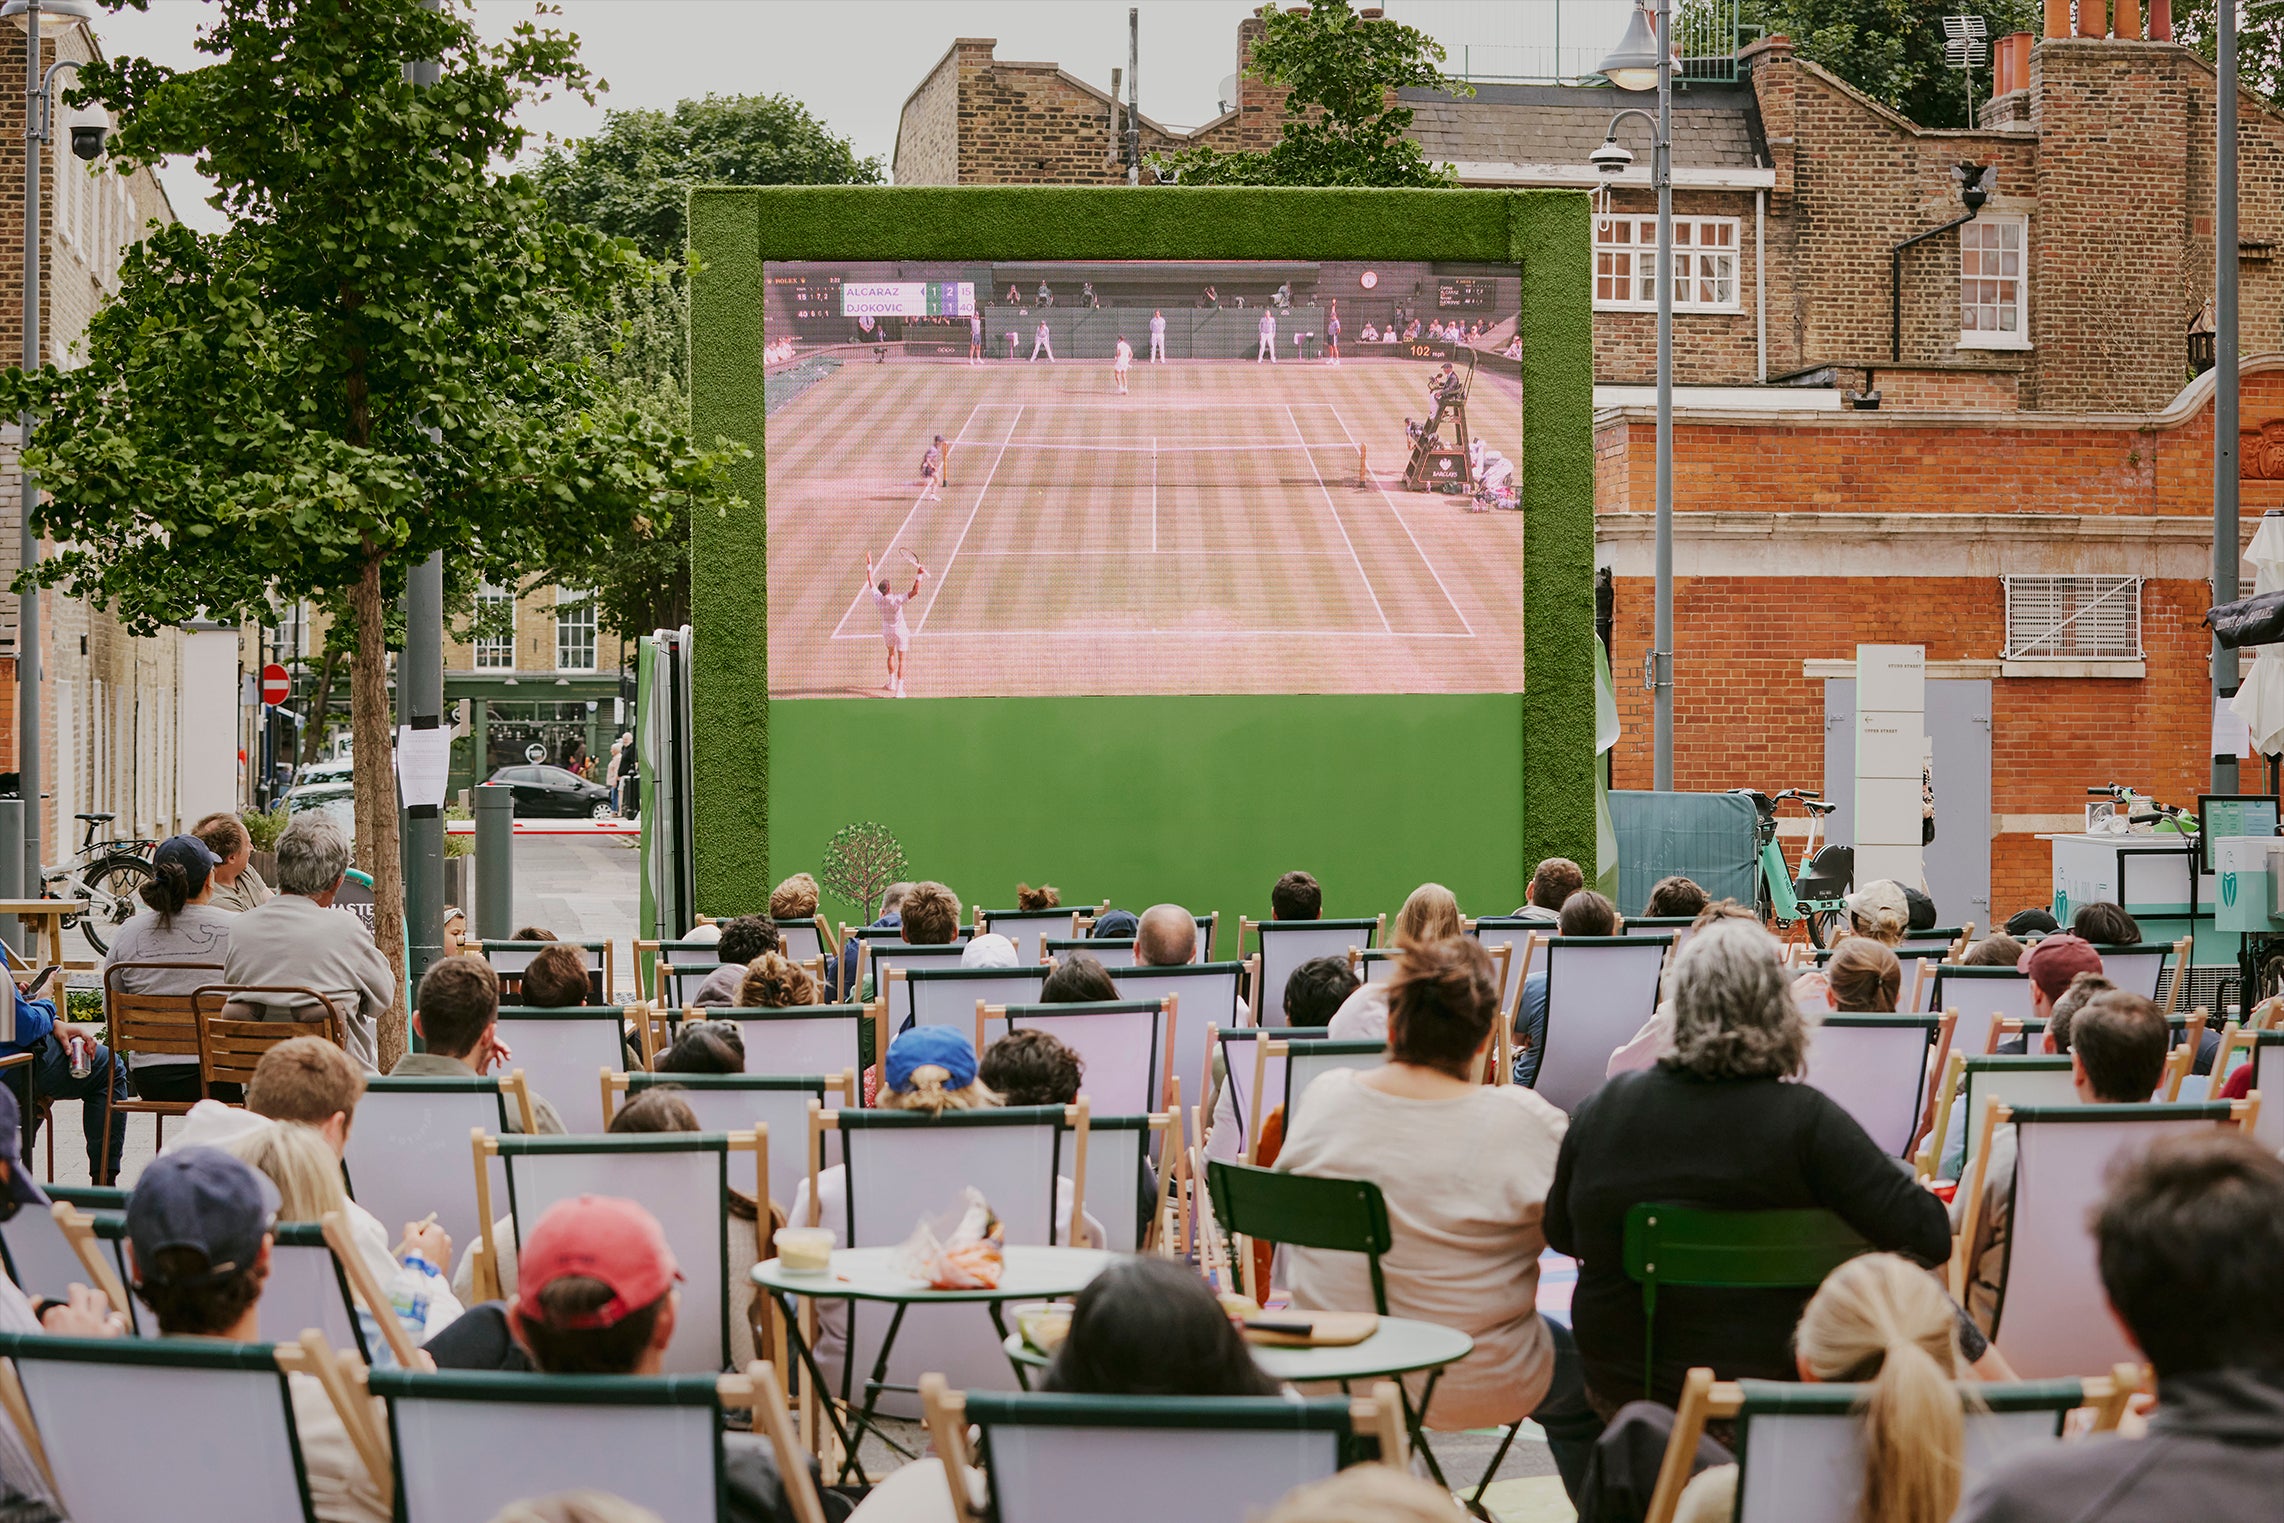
(299, 939)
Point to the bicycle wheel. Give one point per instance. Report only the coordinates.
(111, 885)
(1825, 926)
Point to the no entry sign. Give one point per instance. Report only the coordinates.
(276, 687)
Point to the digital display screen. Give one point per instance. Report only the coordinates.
(2222, 815)
(1150, 477)
(1471, 295)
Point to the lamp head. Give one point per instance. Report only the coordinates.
(1611, 156)
(55, 15)
(1633, 64)
(1975, 182)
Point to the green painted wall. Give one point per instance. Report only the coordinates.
(1200, 799)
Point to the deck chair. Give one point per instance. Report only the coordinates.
(2265, 1051)
(2063, 1154)
(1727, 1250)
(1676, 926)
(1976, 1081)
(510, 958)
(1126, 1045)
(648, 954)
(682, 1178)
(1300, 1211)
(678, 983)
(1130, 1170)
(905, 1167)
(2140, 969)
(561, 1051)
(1306, 1062)
(466, 1443)
(1876, 1067)
(1800, 1447)
(148, 1428)
(228, 1049)
(1110, 951)
(804, 939)
(777, 1105)
(1600, 990)
(1374, 965)
(1253, 1064)
(925, 996)
(1513, 932)
(1286, 944)
(308, 1288)
(39, 1254)
(408, 1153)
(1937, 938)
(1029, 928)
(1235, 1455)
(879, 948)
(151, 1026)
(801, 1039)
(1983, 997)
(1208, 994)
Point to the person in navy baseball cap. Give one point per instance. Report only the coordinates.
(198, 1241)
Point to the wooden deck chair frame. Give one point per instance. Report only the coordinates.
(1666, 1244)
(907, 1007)
(949, 1415)
(1075, 1118)
(2182, 1056)
(1533, 943)
(737, 1392)
(2243, 1112)
(154, 1025)
(1377, 924)
(1704, 1399)
(1964, 1066)
(605, 969)
(634, 1021)
(872, 1015)
(988, 922)
(228, 1049)
(815, 1085)
(1161, 1124)
(78, 1228)
(1161, 1041)
(1953, 985)
(1321, 1046)
(485, 1148)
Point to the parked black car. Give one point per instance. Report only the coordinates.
(553, 793)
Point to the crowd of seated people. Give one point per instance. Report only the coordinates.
(1481, 1178)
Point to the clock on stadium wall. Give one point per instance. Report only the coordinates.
(1368, 279)
(1464, 292)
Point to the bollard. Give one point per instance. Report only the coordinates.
(494, 914)
(12, 930)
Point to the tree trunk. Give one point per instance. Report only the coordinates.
(313, 731)
(376, 790)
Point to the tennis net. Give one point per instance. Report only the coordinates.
(1029, 464)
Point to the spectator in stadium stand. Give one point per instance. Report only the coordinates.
(2051, 963)
(1584, 913)
(1556, 879)
(2105, 925)
(2117, 1046)
(1086, 295)
(299, 939)
(557, 978)
(743, 939)
(1166, 937)
(1465, 1168)
(1674, 897)
(198, 1255)
(1014, 297)
(181, 925)
(237, 887)
(1043, 342)
(774, 981)
(1412, 331)
(795, 902)
(1430, 913)
(1718, 1122)
(1212, 297)
(1296, 897)
(1077, 979)
(457, 1015)
(931, 916)
(1371, 334)
(2195, 1223)
(1267, 327)
(1046, 296)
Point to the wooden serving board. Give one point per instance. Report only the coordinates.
(1325, 1329)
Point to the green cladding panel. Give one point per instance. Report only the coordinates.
(1201, 799)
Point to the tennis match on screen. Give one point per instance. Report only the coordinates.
(1143, 477)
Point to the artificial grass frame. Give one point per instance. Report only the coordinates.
(734, 232)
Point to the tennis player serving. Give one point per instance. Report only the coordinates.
(893, 630)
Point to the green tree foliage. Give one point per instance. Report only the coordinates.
(1892, 50)
(860, 862)
(1341, 127)
(633, 179)
(363, 369)
(2259, 41)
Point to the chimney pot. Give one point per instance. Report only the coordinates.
(2091, 16)
(2127, 22)
(2057, 18)
(2160, 20)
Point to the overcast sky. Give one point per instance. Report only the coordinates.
(854, 61)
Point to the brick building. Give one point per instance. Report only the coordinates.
(2007, 460)
(116, 733)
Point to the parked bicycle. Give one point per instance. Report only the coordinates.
(1818, 896)
(103, 877)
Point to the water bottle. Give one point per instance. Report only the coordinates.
(410, 1300)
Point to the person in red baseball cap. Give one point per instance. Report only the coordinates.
(595, 1289)
(2051, 963)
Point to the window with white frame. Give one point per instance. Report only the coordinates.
(493, 645)
(2073, 618)
(574, 631)
(1704, 264)
(1993, 306)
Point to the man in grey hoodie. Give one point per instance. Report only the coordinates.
(2191, 1241)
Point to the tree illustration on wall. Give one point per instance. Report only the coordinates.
(860, 861)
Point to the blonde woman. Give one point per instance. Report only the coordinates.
(1878, 1321)
(1430, 914)
(1880, 910)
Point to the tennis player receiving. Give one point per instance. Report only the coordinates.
(932, 471)
(1121, 360)
(893, 630)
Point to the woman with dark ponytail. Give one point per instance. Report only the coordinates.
(174, 947)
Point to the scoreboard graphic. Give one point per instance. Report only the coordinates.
(908, 298)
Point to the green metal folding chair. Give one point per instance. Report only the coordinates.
(1301, 1211)
(1729, 1250)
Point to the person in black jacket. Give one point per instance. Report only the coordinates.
(1717, 1124)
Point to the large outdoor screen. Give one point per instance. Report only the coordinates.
(1143, 477)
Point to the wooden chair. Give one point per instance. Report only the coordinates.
(1286, 944)
(1876, 1067)
(152, 1025)
(228, 1049)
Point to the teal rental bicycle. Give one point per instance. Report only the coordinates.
(1818, 896)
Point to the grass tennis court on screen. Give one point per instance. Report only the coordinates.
(1226, 527)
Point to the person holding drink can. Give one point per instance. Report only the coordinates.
(68, 1063)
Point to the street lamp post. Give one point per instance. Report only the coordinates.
(1643, 59)
(38, 112)
(2228, 550)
